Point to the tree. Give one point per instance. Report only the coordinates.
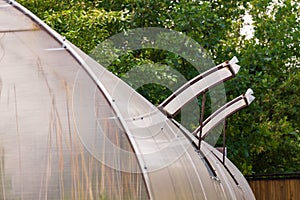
(270, 132)
(262, 138)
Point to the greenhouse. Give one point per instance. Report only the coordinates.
(70, 129)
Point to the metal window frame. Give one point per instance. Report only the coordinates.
(227, 110)
(215, 72)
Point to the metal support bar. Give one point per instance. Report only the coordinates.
(224, 141)
(201, 118)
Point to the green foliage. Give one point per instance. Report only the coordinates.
(262, 138)
(269, 128)
(79, 21)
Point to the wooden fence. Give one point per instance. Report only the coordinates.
(275, 186)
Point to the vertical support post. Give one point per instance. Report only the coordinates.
(201, 118)
(224, 141)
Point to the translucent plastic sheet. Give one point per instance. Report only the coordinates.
(10, 20)
(199, 85)
(41, 153)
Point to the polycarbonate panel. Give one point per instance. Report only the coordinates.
(199, 84)
(42, 152)
(187, 94)
(221, 114)
(243, 187)
(10, 20)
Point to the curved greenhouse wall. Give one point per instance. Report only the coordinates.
(72, 130)
(41, 153)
